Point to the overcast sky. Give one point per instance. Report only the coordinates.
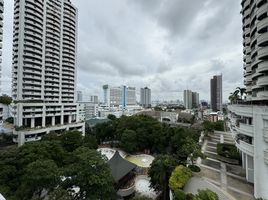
(167, 45)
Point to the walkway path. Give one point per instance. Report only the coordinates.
(196, 183)
(227, 180)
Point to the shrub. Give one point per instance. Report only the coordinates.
(228, 151)
(194, 168)
(10, 120)
(206, 195)
(179, 195)
(179, 177)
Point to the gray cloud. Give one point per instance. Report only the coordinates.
(168, 45)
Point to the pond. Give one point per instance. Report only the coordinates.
(142, 160)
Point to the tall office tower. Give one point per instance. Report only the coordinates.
(216, 93)
(44, 68)
(249, 120)
(188, 99)
(195, 100)
(79, 96)
(145, 97)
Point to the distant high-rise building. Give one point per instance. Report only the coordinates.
(188, 99)
(94, 99)
(44, 68)
(119, 96)
(216, 93)
(195, 100)
(79, 96)
(145, 97)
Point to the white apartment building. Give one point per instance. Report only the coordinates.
(44, 68)
(121, 96)
(87, 110)
(249, 120)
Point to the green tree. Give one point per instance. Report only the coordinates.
(219, 125)
(71, 140)
(88, 171)
(39, 176)
(191, 149)
(5, 99)
(160, 172)
(129, 141)
(10, 120)
(90, 141)
(208, 127)
(179, 177)
(206, 195)
(179, 195)
(111, 117)
(59, 194)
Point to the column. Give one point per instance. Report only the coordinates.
(53, 121)
(70, 119)
(62, 116)
(44, 117)
(32, 122)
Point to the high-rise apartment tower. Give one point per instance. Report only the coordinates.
(249, 118)
(44, 68)
(1, 37)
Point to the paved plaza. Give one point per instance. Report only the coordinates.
(228, 181)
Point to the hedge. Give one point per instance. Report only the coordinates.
(228, 151)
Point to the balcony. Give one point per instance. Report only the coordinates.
(263, 66)
(262, 38)
(265, 134)
(262, 24)
(262, 94)
(245, 129)
(242, 110)
(266, 156)
(245, 147)
(263, 9)
(263, 81)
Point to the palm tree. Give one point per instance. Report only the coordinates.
(242, 91)
(234, 96)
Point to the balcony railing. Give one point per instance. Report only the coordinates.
(245, 129)
(245, 147)
(265, 134)
(266, 156)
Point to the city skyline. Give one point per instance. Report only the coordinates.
(162, 57)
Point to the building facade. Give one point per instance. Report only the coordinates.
(249, 120)
(44, 68)
(145, 97)
(195, 99)
(79, 96)
(216, 93)
(1, 37)
(122, 96)
(190, 99)
(87, 110)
